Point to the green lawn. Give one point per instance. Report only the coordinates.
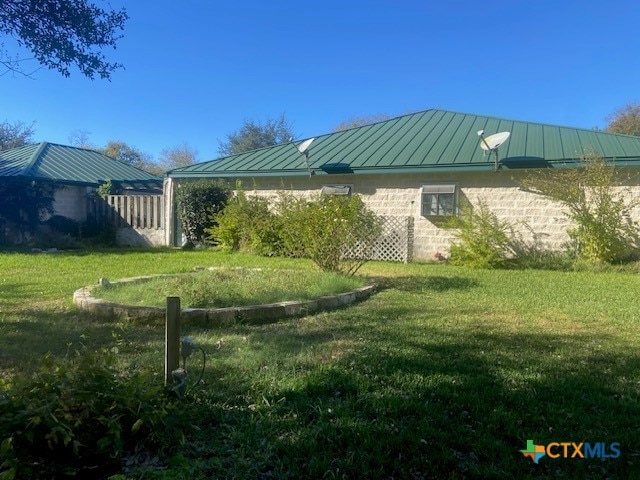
(445, 373)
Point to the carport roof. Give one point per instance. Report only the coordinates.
(71, 165)
(431, 140)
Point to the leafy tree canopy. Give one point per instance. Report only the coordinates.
(254, 134)
(625, 120)
(62, 33)
(14, 135)
(121, 151)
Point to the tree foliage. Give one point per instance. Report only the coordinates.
(604, 230)
(24, 203)
(14, 135)
(178, 156)
(62, 33)
(354, 122)
(254, 134)
(198, 201)
(625, 120)
(125, 153)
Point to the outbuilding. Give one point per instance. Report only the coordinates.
(74, 174)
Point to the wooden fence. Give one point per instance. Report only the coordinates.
(136, 211)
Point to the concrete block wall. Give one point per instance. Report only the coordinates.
(533, 217)
(140, 237)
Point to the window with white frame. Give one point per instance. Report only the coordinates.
(336, 189)
(438, 200)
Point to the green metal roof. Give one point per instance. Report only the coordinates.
(432, 140)
(71, 165)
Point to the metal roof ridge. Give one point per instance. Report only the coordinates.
(34, 158)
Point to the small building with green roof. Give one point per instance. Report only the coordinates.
(75, 172)
(420, 167)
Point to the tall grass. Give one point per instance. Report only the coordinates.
(228, 287)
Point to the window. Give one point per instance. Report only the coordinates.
(336, 190)
(438, 200)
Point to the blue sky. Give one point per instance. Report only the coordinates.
(194, 70)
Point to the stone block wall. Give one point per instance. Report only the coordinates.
(533, 217)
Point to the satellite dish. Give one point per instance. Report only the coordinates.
(304, 146)
(492, 142)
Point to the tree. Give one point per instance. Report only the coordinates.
(354, 122)
(604, 230)
(178, 156)
(62, 33)
(253, 135)
(121, 151)
(625, 120)
(14, 135)
(80, 138)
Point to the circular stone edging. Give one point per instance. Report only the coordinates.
(252, 314)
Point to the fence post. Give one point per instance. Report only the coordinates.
(172, 339)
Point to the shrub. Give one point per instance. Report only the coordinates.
(24, 203)
(604, 230)
(483, 241)
(106, 188)
(336, 232)
(98, 232)
(64, 225)
(197, 201)
(247, 224)
(75, 415)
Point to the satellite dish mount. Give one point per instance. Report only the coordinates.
(492, 142)
(303, 148)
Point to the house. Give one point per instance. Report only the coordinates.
(75, 174)
(421, 167)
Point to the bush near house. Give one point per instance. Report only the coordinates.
(197, 200)
(482, 240)
(335, 232)
(604, 230)
(246, 224)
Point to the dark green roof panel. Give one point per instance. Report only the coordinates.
(422, 141)
(49, 161)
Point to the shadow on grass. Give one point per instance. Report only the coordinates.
(27, 335)
(423, 284)
(424, 404)
(11, 292)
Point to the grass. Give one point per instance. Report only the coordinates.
(446, 373)
(227, 287)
